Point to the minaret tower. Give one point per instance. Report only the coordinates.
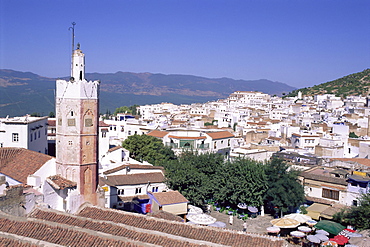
(77, 115)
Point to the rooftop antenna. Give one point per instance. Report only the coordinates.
(73, 47)
(73, 35)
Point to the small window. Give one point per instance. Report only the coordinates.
(87, 143)
(59, 121)
(354, 203)
(71, 122)
(103, 134)
(71, 113)
(137, 190)
(120, 191)
(39, 134)
(88, 122)
(129, 132)
(35, 135)
(31, 137)
(70, 143)
(154, 189)
(15, 137)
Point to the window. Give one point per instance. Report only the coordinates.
(228, 142)
(71, 122)
(35, 135)
(39, 134)
(354, 203)
(15, 137)
(154, 189)
(214, 145)
(59, 121)
(31, 137)
(88, 122)
(103, 134)
(129, 132)
(70, 143)
(137, 190)
(120, 192)
(71, 113)
(330, 194)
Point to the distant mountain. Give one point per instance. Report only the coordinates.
(353, 84)
(26, 93)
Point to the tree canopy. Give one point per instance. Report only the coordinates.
(284, 189)
(201, 177)
(126, 109)
(148, 148)
(358, 216)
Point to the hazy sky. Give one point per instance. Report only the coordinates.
(298, 42)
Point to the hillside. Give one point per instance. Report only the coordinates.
(26, 93)
(353, 84)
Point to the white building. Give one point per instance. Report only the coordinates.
(24, 132)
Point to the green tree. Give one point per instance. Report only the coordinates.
(51, 114)
(122, 109)
(148, 148)
(284, 188)
(127, 109)
(194, 175)
(353, 135)
(241, 181)
(358, 216)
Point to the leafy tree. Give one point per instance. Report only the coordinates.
(52, 114)
(194, 175)
(129, 109)
(35, 114)
(241, 180)
(148, 148)
(284, 189)
(358, 216)
(122, 109)
(353, 135)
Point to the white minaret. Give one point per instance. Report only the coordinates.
(77, 115)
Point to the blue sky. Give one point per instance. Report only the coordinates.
(298, 42)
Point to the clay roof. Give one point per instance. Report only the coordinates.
(51, 122)
(362, 161)
(199, 233)
(130, 198)
(60, 183)
(166, 215)
(114, 148)
(169, 197)
(48, 233)
(102, 124)
(187, 137)
(18, 163)
(132, 179)
(132, 166)
(220, 135)
(158, 133)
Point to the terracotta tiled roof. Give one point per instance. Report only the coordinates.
(108, 227)
(214, 235)
(132, 166)
(102, 124)
(169, 197)
(63, 235)
(220, 135)
(362, 161)
(158, 133)
(18, 163)
(187, 137)
(51, 122)
(60, 183)
(327, 179)
(130, 198)
(166, 215)
(132, 179)
(114, 148)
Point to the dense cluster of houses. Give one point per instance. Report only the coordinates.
(76, 158)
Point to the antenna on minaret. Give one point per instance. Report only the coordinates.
(73, 35)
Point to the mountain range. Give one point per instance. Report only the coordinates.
(27, 93)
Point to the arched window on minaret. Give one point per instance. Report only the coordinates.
(80, 75)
